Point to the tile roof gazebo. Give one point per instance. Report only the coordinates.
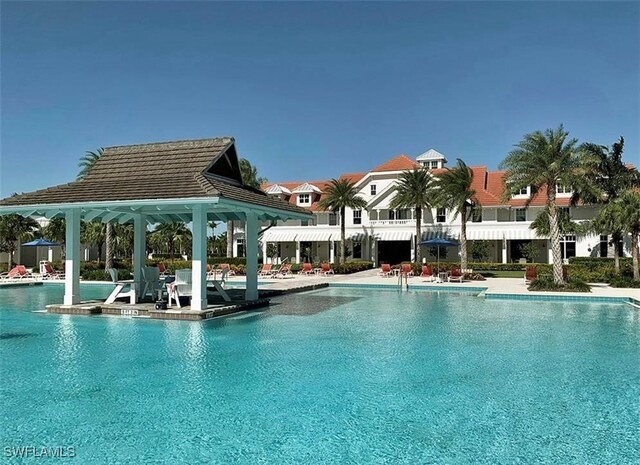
(192, 181)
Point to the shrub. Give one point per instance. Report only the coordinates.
(353, 267)
(97, 275)
(546, 283)
(623, 281)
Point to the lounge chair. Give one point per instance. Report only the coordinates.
(124, 288)
(151, 283)
(284, 272)
(306, 269)
(266, 270)
(326, 269)
(456, 275)
(17, 272)
(222, 266)
(406, 269)
(385, 270)
(530, 274)
(50, 273)
(427, 272)
(182, 286)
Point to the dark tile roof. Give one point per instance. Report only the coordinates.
(167, 170)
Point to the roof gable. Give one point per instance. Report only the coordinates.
(399, 163)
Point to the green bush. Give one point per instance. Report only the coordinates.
(546, 283)
(96, 275)
(623, 281)
(354, 266)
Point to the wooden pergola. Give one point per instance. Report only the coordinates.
(194, 181)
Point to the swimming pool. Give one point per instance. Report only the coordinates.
(339, 375)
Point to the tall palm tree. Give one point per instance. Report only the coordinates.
(92, 233)
(415, 189)
(541, 224)
(249, 178)
(86, 163)
(543, 161)
(455, 192)
(172, 234)
(608, 173)
(56, 231)
(623, 214)
(14, 229)
(341, 194)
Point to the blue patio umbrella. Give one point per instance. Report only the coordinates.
(439, 242)
(40, 243)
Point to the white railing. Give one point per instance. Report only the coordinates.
(390, 222)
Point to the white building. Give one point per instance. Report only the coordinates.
(381, 234)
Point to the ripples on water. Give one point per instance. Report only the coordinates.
(331, 376)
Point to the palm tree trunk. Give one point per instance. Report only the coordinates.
(555, 236)
(11, 250)
(108, 259)
(616, 237)
(464, 264)
(342, 235)
(230, 239)
(634, 256)
(418, 234)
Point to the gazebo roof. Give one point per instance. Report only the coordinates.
(160, 180)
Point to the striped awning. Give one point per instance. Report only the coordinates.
(314, 236)
(357, 237)
(484, 234)
(520, 234)
(280, 236)
(393, 236)
(449, 235)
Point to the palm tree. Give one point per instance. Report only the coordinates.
(171, 234)
(543, 161)
(608, 173)
(93, 234)
(56, 231)
(86, 163)
(341, 194)
(249, 178)
(623, 214)
(415, 189)
(541, 224)
(14, 229)
(455, 192)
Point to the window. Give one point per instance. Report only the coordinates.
(240, 245)
(304, 223)
(357, 216)
(523, 191)
(374, 189)
(568, 246)
(476, 214)
(560, 189)
(563, 212)
(521, 214)
(304, 199)
(434, 165)
(604, 246)
(401, 214)
(357, 250)
(441, 215)
(333, 219)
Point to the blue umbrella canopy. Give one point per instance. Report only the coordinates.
(440, 241)
(41, 243)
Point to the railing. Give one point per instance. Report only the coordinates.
(391, 222)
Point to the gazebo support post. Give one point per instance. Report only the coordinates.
(139, 250)
(251, 292)
(199, 258)
(72, 258)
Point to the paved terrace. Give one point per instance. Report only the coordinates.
(508, 288)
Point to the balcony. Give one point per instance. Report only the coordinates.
(391, 222)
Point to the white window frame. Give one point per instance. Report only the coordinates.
(373, 189)
(563, 191)
(439, 215)
(357, 216)
(434, 164)
(515, 216)
(304, 199)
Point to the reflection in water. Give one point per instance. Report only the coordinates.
(195, 349)
(68, 348)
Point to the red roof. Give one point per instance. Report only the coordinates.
(399, 163)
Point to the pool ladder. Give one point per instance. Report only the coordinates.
(402, 285)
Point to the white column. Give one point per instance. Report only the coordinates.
(264, 251)
(251, 247)
(297, 252)
(139, 249)
(504, 251)
(72, 259)
(50, 255)
(549, 252)
(199, 258)
(332, 252)
(413, 248)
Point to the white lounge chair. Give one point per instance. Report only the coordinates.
(124, 288)
(151, 282)
(182, 286)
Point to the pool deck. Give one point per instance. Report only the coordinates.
(491, 288)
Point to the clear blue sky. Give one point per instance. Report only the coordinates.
(311, 90)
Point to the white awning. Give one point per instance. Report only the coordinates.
(484, 234)
(393, 236)
(279, 236)
(357, 237)
(314, 236)
(520, 234)
(449, 235)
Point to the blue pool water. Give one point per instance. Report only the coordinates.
(332, 376)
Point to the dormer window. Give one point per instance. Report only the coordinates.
(560, 189)
(523, 191)
(434, 165)
(304, 199)
(374, 189)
